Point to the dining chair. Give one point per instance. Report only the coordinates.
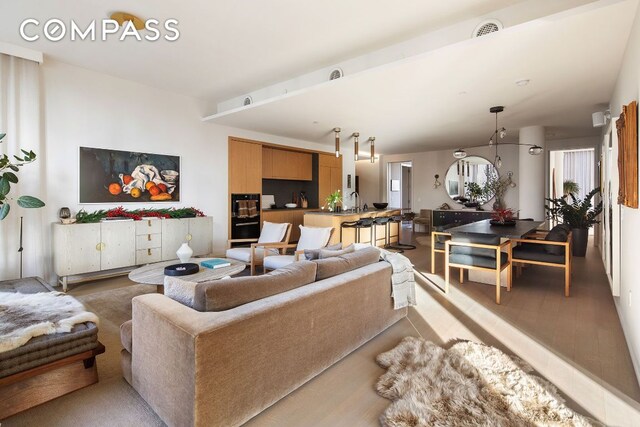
(438, 239)
(310, 238)
(547, 248)
(475, 251)
(423, 219)
(271, 233)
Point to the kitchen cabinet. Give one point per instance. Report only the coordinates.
(295, 217)
(245, 167)
(286, 164)
(329, 176)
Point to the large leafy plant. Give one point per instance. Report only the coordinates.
(8, 175)
(575, 213)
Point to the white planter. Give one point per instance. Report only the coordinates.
(184, 253)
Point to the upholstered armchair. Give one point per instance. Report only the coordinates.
(424, 219)
(474, 251)
(546, 248)
(310, 238)
(272, 237)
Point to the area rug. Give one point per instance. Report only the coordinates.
(469, 384)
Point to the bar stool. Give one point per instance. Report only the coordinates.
(358, 226)
(385, 221)
(400, 247)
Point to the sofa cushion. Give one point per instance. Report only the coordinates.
(180, 290)
(478, 260)
(330, 267)
(559, 233)
(311, 254)
(328, 253)
(126, 335)
(537, 252)
(272, 232)
(220, 295)
(482, 239)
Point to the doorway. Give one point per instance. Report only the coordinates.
(399, 185)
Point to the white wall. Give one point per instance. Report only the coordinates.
(369, 178)
(85, 108)
(626, 90)
(394, 198)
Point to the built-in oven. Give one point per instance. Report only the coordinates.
(245, 216)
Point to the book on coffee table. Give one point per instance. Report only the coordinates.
(215, 263)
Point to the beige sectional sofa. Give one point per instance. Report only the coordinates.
(269, 335)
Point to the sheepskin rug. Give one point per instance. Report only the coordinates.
(25, 316)
(469, 384)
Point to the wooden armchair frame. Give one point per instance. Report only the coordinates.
(283, 248)
(497, 270)
(255, 262)
(567, 266)
(434, 236)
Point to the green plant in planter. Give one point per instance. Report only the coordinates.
(474, 191)
(333, 199)
(569, 186)
(8, 176)
(579, 215)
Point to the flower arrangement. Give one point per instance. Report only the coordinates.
(137, 214)
(333, 199)
(503, 216)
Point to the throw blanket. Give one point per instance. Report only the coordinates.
(25, 316)
(403, 283)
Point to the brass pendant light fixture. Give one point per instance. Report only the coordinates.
(122, 17)
(356, 145)
(372, 139)
(337, 132)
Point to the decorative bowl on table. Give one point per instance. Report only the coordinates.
(509, 223)
(290, 205)
(181, 269)
(380, 205)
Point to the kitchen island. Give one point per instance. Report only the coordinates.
(325, 218)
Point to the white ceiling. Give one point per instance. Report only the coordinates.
(416, 105)
(229, 47)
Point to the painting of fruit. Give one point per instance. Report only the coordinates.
(114, 176)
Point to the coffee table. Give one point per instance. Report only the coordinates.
(153, 274)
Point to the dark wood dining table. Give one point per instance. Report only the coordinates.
(516, 231)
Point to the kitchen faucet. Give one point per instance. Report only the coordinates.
(357, 207)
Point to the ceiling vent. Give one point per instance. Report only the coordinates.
(247, 101)
(487, 27)
(336, 73)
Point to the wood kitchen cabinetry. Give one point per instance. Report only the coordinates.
(329, 176)
(245, 167)
(285, 164)
(295, 217)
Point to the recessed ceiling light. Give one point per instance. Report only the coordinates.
(522, 82)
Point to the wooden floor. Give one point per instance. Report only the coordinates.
(577, 343)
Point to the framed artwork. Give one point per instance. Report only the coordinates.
(114, 176)
(627, 130)
(395, 185)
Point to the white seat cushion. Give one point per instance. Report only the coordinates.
(272, 232)
(244, 254)
(278, 261)
(313, 237)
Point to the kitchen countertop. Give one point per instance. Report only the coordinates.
(287, 209)
(370, 212)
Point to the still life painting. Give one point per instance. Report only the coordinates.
(114, 176)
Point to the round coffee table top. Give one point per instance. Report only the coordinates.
(153, 274)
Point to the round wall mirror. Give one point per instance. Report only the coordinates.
(466, 181)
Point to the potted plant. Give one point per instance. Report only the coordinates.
(333, 199)
(579, 215)
(474, 193)
(502, 217)
(8, 176)
(569, 186)
(497, 186)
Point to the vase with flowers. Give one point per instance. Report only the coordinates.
(333, 200)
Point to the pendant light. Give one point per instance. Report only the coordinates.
(337, 132)
(356, 145)
(459, 153)
(372, 139)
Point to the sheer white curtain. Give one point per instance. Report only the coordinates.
(20, 119)
(578, 166)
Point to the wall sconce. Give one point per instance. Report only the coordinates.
(372, 139)
(337, 132)
(356, 145)
(436, 183)
(510, 182)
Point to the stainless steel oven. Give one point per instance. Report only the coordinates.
(245, 216)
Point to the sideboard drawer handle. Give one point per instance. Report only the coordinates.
(149, 252)
(149, 222)
(189, 237)
(148, 237)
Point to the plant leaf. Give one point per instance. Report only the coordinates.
(4, 186)
(30, 202)
(14, 168)
(11, 177)
(4, 210)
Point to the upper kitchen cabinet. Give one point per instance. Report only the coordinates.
(330, 176)
(285, 164)
(245, 167)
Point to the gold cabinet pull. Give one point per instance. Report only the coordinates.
(189, 237)
(148, 237)
(149, 252)
(100, 246)
(149, 222)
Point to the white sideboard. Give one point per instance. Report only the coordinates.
(91, 248)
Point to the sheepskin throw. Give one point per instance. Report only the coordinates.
(469, 384)
(25, 316)
(403, 282)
